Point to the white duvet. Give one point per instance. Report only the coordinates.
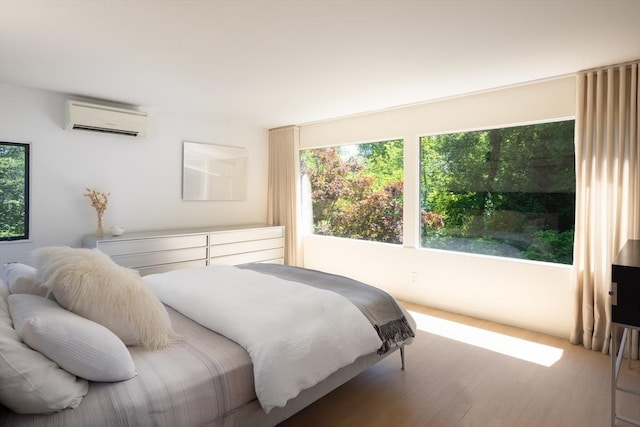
(296, 335)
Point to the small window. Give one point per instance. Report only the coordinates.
(356, 190)
(14, 191)
(507, 192)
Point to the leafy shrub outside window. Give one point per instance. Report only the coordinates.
(507, 192)
(14, 191)
(356, 190)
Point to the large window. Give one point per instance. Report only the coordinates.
(14, 191)
(507, 192)
(356, 190)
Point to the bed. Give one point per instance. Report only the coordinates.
(205, 378)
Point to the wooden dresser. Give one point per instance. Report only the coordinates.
(158, 251)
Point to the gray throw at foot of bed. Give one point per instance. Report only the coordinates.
(378, 306)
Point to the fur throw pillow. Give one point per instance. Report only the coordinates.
(88, 283)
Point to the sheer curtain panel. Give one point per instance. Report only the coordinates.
(607, 193)
(284, 189)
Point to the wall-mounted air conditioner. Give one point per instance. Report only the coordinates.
(106, 119)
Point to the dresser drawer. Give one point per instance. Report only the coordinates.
(249, 234)
(242, 247)
(133, 246)
(162, 257)
(271, 255)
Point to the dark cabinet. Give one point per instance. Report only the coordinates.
(625, 274)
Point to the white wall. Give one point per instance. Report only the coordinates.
(528, 294)
(144, 176)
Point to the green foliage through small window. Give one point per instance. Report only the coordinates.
(356, 190)
(14, 191)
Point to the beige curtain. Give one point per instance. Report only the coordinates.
(283, 206)
(607, 193)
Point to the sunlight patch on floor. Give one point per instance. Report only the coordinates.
(504, 344)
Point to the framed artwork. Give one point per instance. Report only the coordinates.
(213, 172)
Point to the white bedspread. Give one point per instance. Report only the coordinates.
(296, 335)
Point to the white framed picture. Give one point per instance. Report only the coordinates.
(213, 172)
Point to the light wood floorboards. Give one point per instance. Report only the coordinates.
(449, 383)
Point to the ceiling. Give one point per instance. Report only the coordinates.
(272, 63)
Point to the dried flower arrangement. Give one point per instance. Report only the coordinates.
(99, 202)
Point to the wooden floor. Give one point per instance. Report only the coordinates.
(450, 383)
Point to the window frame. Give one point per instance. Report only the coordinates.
(27, 193)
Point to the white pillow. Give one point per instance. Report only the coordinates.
(21, 279)
(4, 289)
(29, 382)
(89, 283)
(78, 345)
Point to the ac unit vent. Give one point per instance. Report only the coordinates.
(105, 119)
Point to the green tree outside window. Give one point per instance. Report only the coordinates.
(356, 190)
(14, 191)
(507, 192)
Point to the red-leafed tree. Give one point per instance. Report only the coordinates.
(357, 195)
